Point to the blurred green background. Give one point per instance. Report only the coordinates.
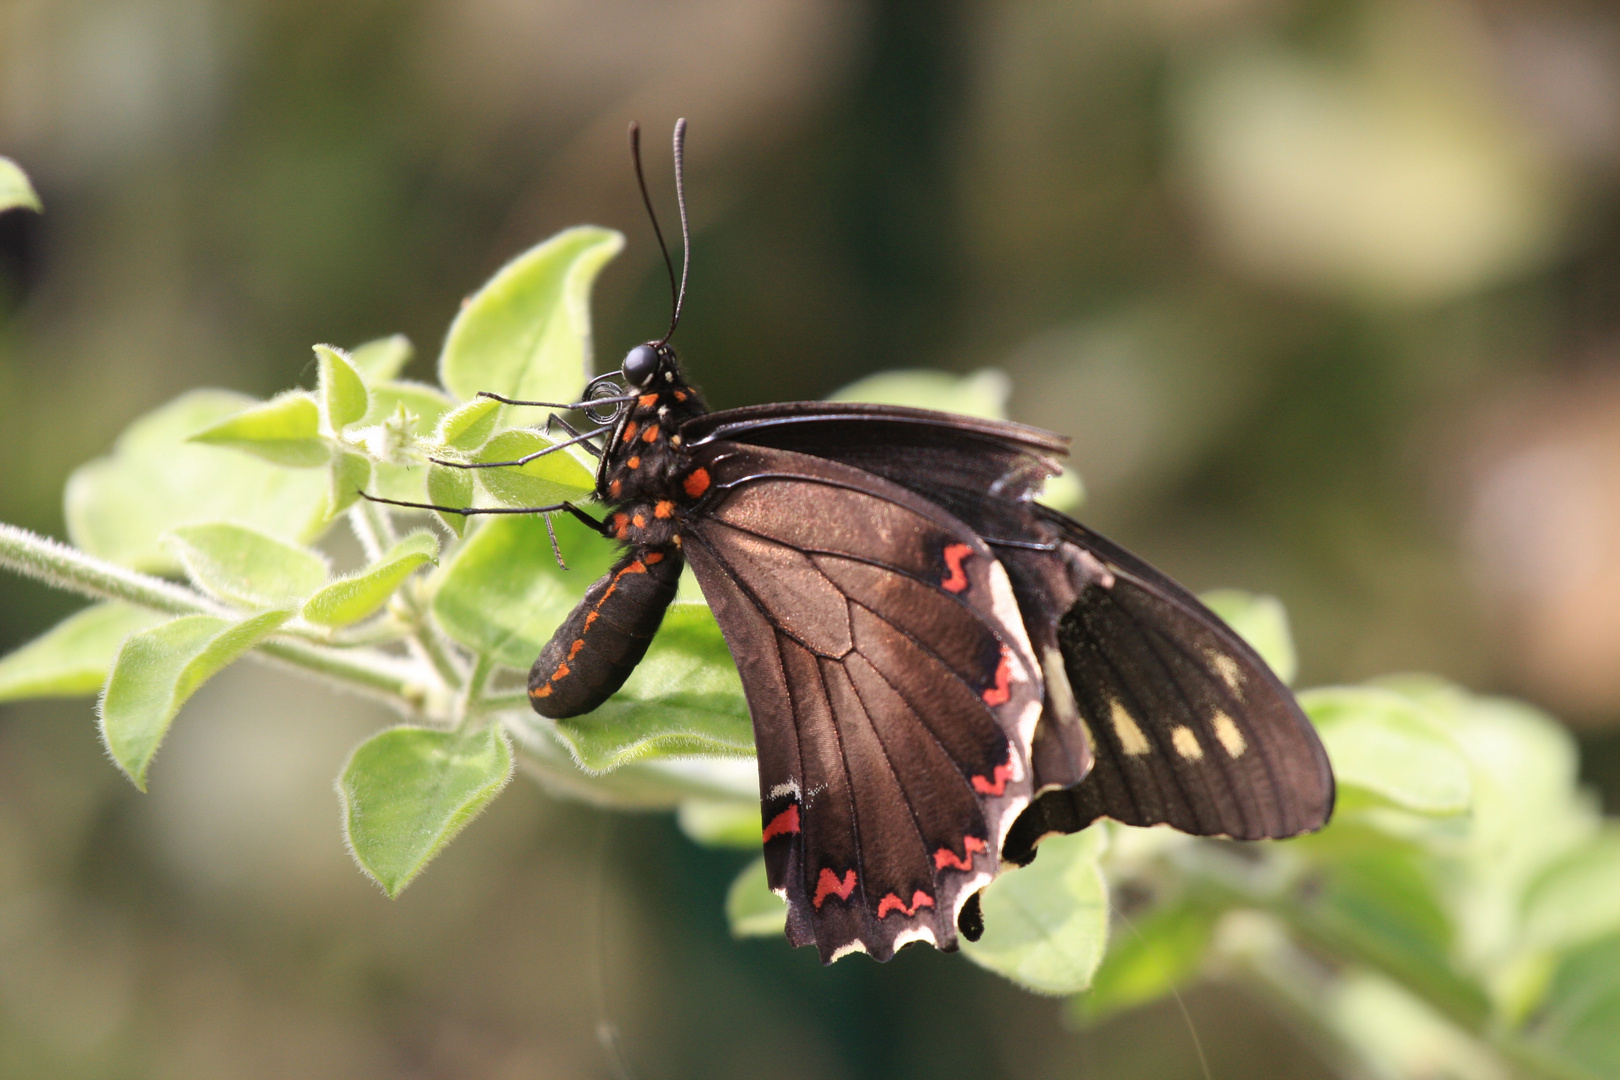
(1325, 293)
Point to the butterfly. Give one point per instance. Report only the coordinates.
(940, 670)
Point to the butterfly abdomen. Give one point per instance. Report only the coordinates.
(606, 635)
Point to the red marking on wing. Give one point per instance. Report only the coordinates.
(696, 482)
(829, 885)
(784, 823)
(946, 857)
(995, 787)
(1001, 692)
(647, 401)
(630, 430)
(956, 580)
(919, 899)
(650, 434)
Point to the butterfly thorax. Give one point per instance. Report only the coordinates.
(646, 475)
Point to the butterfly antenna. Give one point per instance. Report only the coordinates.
(686, 233)
(675, 292)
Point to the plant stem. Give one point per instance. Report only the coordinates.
(72, 570)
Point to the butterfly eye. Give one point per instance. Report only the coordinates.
(641, 365)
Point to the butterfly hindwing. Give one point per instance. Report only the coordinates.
(892, 685)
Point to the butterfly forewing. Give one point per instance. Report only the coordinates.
(892, 686)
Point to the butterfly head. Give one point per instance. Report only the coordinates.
(646, 367)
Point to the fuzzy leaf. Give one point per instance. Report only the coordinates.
(751, 908)
(245, 567)
(684, 698)
(73, 657)
(503, 593)
(340, 392)
(450, 487)
(350, 599)
(15, 190)
(1149, 957)
(544, 481)
(1390, 746)
(158, 669)
(349, 475)
(285, 430)
(119, 506)
(382, 359)
(408, 791)
(527, 333)
(1045, 925)
(469, 425)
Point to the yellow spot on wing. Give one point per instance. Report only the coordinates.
(1231, 738)
(1231, 674)
(1186, 743)
(1131, 739)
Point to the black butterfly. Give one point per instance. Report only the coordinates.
(941, 671)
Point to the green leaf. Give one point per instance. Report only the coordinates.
(1045, 925)
(1262, 622)
(285, 430)
(1389, 746)
(15, 190)
(427, 403)
(468, 426)
(119, 506)
(1580, 1017)
(382, 359)
(1575, 901)
(158, 669)
(983, 393)
(350, 599)
(349, 475)
(340, 392)
(502, 593)
(73, 657)
(245, 567)
(714, 823)
(751, 908)
(1149, 957)
(408, 791)
(450, 487)
(527, 333)
(542, 482)
(684, 698)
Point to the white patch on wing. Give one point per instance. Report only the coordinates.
(916, 933)
(1058, 690)
(1131, 739)
(1230, 671)
(1186, 743)
(1226, 730)
(791, 787)
(853, 947)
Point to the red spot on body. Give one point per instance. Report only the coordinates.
(650, 434)
(956, 580)
(634, 463)
(621, 525)
(664, 509)
(541, 691)
(560, 674)
(784, 823)
(630, 430)
(696, 482)
(653, 557)
(615, 487)
(998, 786)
(633, 568)
(680, 395)
(946, 857)
(592, 617)
(647, 401)
(573, 650)
(1001, 692)
(919, 899)
(829, 885)
(639, 521)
